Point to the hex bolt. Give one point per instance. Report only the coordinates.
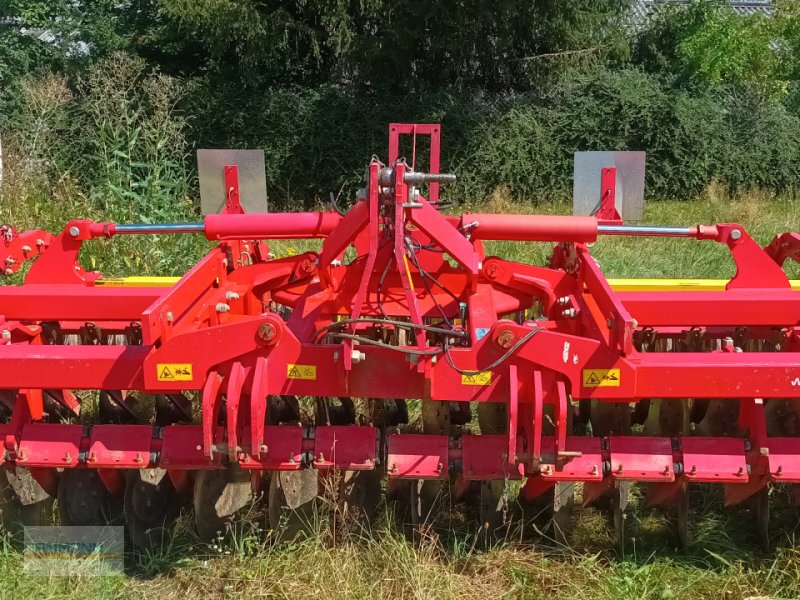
(736, 234)
(779, 472)
(359, 356)
(666, 470)
(568, 313)
(740, 472)
(26, 249)
(693, 470)
(68, 457)
(40, 242)
(563, 300)
(5, 334)
(139, 458)
(231, 296)
(262, 449)
(10, 261)
(545, 469)
(321, 457)
(222, 307)
(619, 469)
(74, 231)
(170, 317)
(8, 272)
(594, 471)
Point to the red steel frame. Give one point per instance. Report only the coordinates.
(213, 332)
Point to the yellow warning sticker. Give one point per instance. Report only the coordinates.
(482, 378)
(174, 371)
(301, 372)
(601, 378)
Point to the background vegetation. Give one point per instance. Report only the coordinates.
(115, 96)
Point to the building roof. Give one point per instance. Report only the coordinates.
(642, 9)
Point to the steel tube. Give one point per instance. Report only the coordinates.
(647, 230)
(152, 228)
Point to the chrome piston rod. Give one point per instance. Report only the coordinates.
(154, 228)
(647, 230)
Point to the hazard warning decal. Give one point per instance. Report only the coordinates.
(174, 371)
(601, 378)
(308, 372)
(482, 378)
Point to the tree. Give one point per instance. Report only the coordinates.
(493, 45)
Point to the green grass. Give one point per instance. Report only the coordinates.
(721, 562)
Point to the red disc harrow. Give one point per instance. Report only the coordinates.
(549, 363)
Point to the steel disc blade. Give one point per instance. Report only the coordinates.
(563, 505)
(358, 499)
(620, 495)
(151, 506)
(219, 495)
(492, 506)
(682, 514)
(291, 502)
(761, 515)
(23, 501)
(83, 499)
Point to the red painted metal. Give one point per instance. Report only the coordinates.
(346, 447)
(715, 460)
(638, 458)
(418, 456)
(401, 301)
(607, 212)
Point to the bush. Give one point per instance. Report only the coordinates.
(319, 140)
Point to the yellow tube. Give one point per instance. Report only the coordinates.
(619, 285)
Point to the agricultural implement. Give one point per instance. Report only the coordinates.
(278, 375)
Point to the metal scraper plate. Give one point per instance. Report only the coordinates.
(252, 179)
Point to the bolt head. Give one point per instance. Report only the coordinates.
(266, 331)
(74, 231)
(736, 234)
(506, 338)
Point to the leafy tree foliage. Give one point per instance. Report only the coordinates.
(493, 45)
(709, 44)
